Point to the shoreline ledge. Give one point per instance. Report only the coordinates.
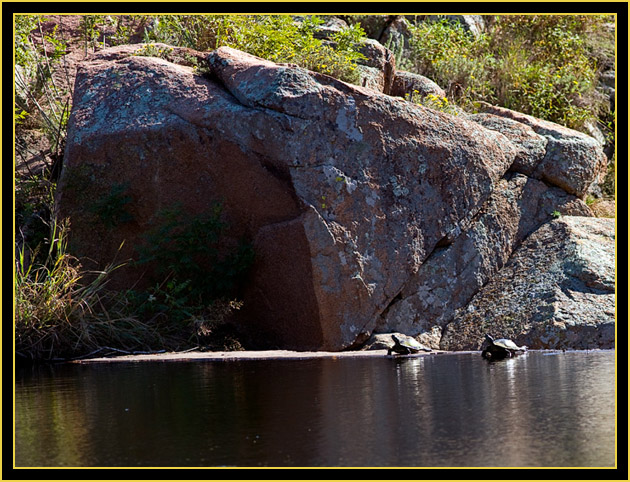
(251, 355)
(278, 355)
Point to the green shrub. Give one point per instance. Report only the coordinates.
(63, 311)
(111, 209)
(433, 101)
(189, 252)
(196, 276)
(536, 64)
(273, 37)
(59, 314)
(150, 50)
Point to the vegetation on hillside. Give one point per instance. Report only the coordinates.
(545, 66)
(273, 37)
(539, 65)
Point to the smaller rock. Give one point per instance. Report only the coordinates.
(608, 78)
(397, 34)
(573, 160)
(530, 146)
(556, 292)
(373, 25)
(595, 133)
(408, 84)
(381, 58)
(385, 341)
(471, 23)
(328, 29)
(370, 77)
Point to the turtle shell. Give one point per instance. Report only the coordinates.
(506, 344)
(409, 342)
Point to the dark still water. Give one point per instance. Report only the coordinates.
(541, 409)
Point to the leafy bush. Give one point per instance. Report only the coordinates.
(536, 64)
(190, 250)
(195, 274)
(273, 37)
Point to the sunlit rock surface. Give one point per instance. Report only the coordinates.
(365, 211)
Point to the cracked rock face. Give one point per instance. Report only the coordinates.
(349, 197)
(343, 191)
(453, 274)
(556, 292)
(572, 160)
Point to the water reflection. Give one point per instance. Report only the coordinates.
(455, 410)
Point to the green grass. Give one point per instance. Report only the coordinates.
(63, 311)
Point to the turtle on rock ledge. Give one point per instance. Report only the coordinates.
(405, 345)
(501, 348)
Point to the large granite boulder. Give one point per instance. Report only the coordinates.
(365, 211)
(344, 192)
(556, 292)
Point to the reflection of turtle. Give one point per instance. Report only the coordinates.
(405, 345)
(501, 348)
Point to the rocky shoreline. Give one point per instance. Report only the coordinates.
(277, 355)
(367, 212)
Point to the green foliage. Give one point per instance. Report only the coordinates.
(41, 100)
(536, 64)
(90, 32)
(34, 199)
(273, 37)
(63, 311)
(192, 265)
(433, 101)
(19, 115)
(111, 209)
(60, 314)
(150, 50)
(195, 277)
(24, 25)
(125, 27)
(453, 58)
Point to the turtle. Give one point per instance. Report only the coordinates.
(501, 348)
(405, 345)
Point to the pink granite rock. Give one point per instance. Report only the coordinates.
(454, 272)
(572, 160)
(344, 192)
(556, 292)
